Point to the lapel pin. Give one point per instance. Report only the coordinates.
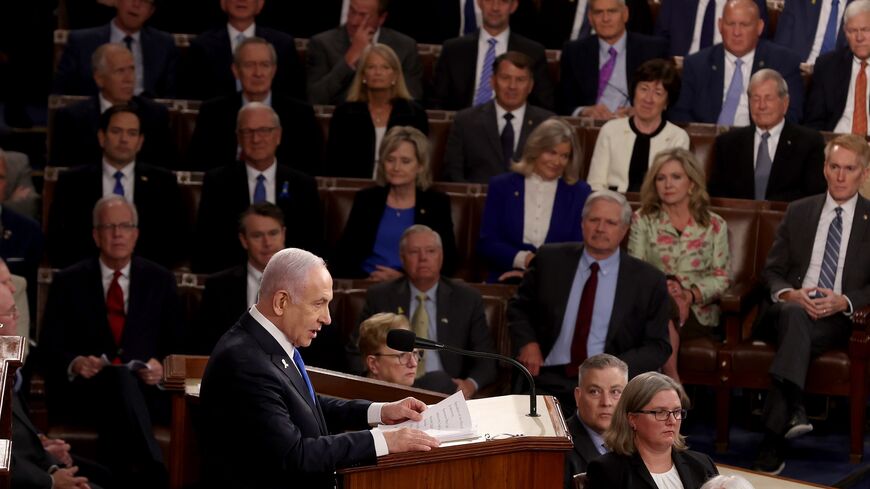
(516, 193)
(444, 320)
(144, 178)
(285, 191)
(285, 363)
(715, 68)
(529, 123)
(7, 233)
(761, 64)
(865, 217)
(402, 310)
(422, 211)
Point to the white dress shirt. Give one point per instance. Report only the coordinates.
(579, 17)
(517, 122)
(344, 7)
(741, 117)
(822, 26)
(253, 288)
(537, 212)
(699, 24)
(772, 142)
(844, 126)
(108, 274)
(104, 103)
(811, 279)
(116, 35)
(483, 46)
(250, 32)
(477, 15)
(269, 173)
(127, 181)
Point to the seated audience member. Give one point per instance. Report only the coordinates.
(215, 143)
(727, 482)
(333, 56)
(441, 309)
(626, 147)
(207, 63)
(596, 70)
(74, 131)
(539, 202)
(369, 245)
(382, 362)
(21, 242)
(811, 29)
(772, 158)
(230, 189)
(560, 21)
(20, 194)
(817, 273)
(551, 321)
(378, 100)
(17, 285)
(464, 70)
(154, 53)
(715, 78)
(690, 25)
(154, 191)
(675, 231)
(833, 102)
(504, 122)
(102, 314)
(645, 441)
(433, 21)
(601, 380)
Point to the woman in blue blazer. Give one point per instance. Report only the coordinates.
(539, 202)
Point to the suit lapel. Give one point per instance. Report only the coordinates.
(559, 209)
(717, 83)
(784, 156)
(97, 297)
(401, 294)
(744, 163)
(759, 61)
(860, 222)
(530, 121)
(514, 207)
(442, 321)
(149, 61)
(808, 233)
(641, 470)
(492, 135)
(840, 91)
(135, 302)
(624, 289)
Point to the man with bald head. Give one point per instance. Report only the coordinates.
(715, 78)
(73, 138)
(256, 393)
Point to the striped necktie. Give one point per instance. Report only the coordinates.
(832, 252)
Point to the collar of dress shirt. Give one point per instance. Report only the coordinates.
(105, 104)
(539, 182)
(266, 101)
(254, 273)
(774, 131)
(116, 34)
(848, 206)
(597, 440)
(606, 265)
(269, 172)
(432, 293)
(502, 37)
(619, 45)
(107, 272)
(747, 58)
(519, 114)
(234, 33)
(273, 330)
(127, 170)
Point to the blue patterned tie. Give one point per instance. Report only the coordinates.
(732, 99)
(484, 87)
(119, 188)
(830, 39)
(832, 252)
(708, 25)
(762, 167)
(470, 17)
(297, 359)
(260, 189)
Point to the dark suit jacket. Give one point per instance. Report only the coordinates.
(159, 58)
(675, 23)
(301, 19)
(467, 160)
(358, 239)
(704, 81)
(461, 323)
(455, 72)
(789, 257)
(584, 450)
(74, 134)
(253, 397)
(556, 18)
(162, 228)
(638, 331)
(206, 69)
(829, 89)
(579, 84)
(224, 299)
(796, 170)
(21, 244)
(796, 27)
(214, 142)
(501, 229)
(225, 196)
(30, 461)
(612, 471)
(351, 148)
(329, 75)
(435, 21)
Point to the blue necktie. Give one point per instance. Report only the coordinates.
(239, 38)
(470, 17)
(708, 25)
(832, 252)
(732, 99)
(297, 359)
(762, 168)
(119, 189)
(484, 87)
(260, 189)
(830, 40)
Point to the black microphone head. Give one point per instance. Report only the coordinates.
(401, 339)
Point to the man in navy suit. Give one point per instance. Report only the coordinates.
(206, 68)
(712, 93)
(257, 395)
(154, 52)
(584, 91)
(811, 28)
(682, 24)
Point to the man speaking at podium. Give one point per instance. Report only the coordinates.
(263, 425)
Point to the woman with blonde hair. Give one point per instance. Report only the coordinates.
(675, 231)
(382, 362)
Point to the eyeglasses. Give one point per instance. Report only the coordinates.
(403, 358)
(662, 414)
(10, 314)
(259, 131)
(124, 227)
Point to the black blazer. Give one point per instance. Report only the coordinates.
(214, 142)
(556, 18)
(468, 158)
(455, 72)
(206, 70)
(638, 331)
(162, 225)
(584, 450)
(351, 148)
(225, 196)
(74, 134)
(796, 170)
(612, 471)
(30, 461)
(21, 244)
(358, 239)
(579, 83)
(75, 75)
(252, 396)
(224, 300)
(829, 89)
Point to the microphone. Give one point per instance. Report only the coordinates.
(404, 340)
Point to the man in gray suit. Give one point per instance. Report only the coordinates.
(333, 55)
(20, 195)
(504, 123)
(817, 275)
(453, 311)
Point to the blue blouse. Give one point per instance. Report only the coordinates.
(393, 223)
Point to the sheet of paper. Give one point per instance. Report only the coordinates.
(447, 420)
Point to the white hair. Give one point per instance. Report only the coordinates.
(855, 8)
(288, 270)
(616, 198)
(113, 199)
(727, 482)
(257, 106)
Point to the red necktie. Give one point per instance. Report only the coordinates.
(115, 310)
(859, 114)
(584, 321)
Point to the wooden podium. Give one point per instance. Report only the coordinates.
(513, 451)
